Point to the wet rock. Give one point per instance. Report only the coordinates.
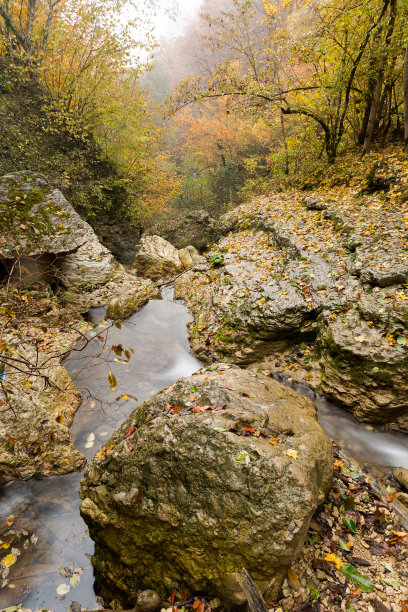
(130, 297)
(362, 369)
(313, 203)
(197, 228)
(75, 255)
(148, 601)
(34, 437)
(401, 475)
(189, 256)
(402, 498)
(157, 259)
(222, 470)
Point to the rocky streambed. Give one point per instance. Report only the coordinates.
(226, 468)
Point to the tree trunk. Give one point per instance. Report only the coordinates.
(375, 110)
(406, 102)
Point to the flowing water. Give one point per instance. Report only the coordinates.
(49, 509)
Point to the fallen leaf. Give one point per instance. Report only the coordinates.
(130, 431)
(112, 381)
(63, 589)
(199, 408)
(333, 559)
(292, 453)
(293, 579)
(74, 580)
(8, 560)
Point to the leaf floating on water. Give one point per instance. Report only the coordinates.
(74, 580)
(63, 589)
(8, 560)
(112, 381)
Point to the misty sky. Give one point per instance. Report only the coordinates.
(166, 27)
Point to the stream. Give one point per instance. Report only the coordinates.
(49, 508)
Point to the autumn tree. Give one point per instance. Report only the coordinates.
(406, 101)
(337, 64)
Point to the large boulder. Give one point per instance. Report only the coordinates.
(130, 297)
(196, 228)
(223, 470)
(363, 367)
(44, 225)
(35, 413)
(305, 288)
(158, 260)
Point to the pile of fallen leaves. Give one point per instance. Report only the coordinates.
(356, 558)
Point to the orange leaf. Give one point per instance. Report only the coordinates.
(199, 408)
(294, 580)
(248, 428)
(130, 431)
(11, 440)
(172, 597)
(357, 591)
(167, 407)
(273, 441)
(192, 398)
(175, 410)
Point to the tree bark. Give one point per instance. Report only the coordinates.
(375, 110)
(406, 103)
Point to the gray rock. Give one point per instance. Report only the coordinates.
(192, 495)
(130, 296)
(157, 259)
(78, 256)
(313, 203)
(401, 475)
(34, 435)
(197, 228)
(148, 601)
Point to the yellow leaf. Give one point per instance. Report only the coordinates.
(112, 381)
(9, 560)
(292, 453)
(333, 559)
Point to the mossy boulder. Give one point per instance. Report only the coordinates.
(222, 470)
(130, 297)
(38, 222)
(364, 368)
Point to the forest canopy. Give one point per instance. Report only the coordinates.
(250, 92)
